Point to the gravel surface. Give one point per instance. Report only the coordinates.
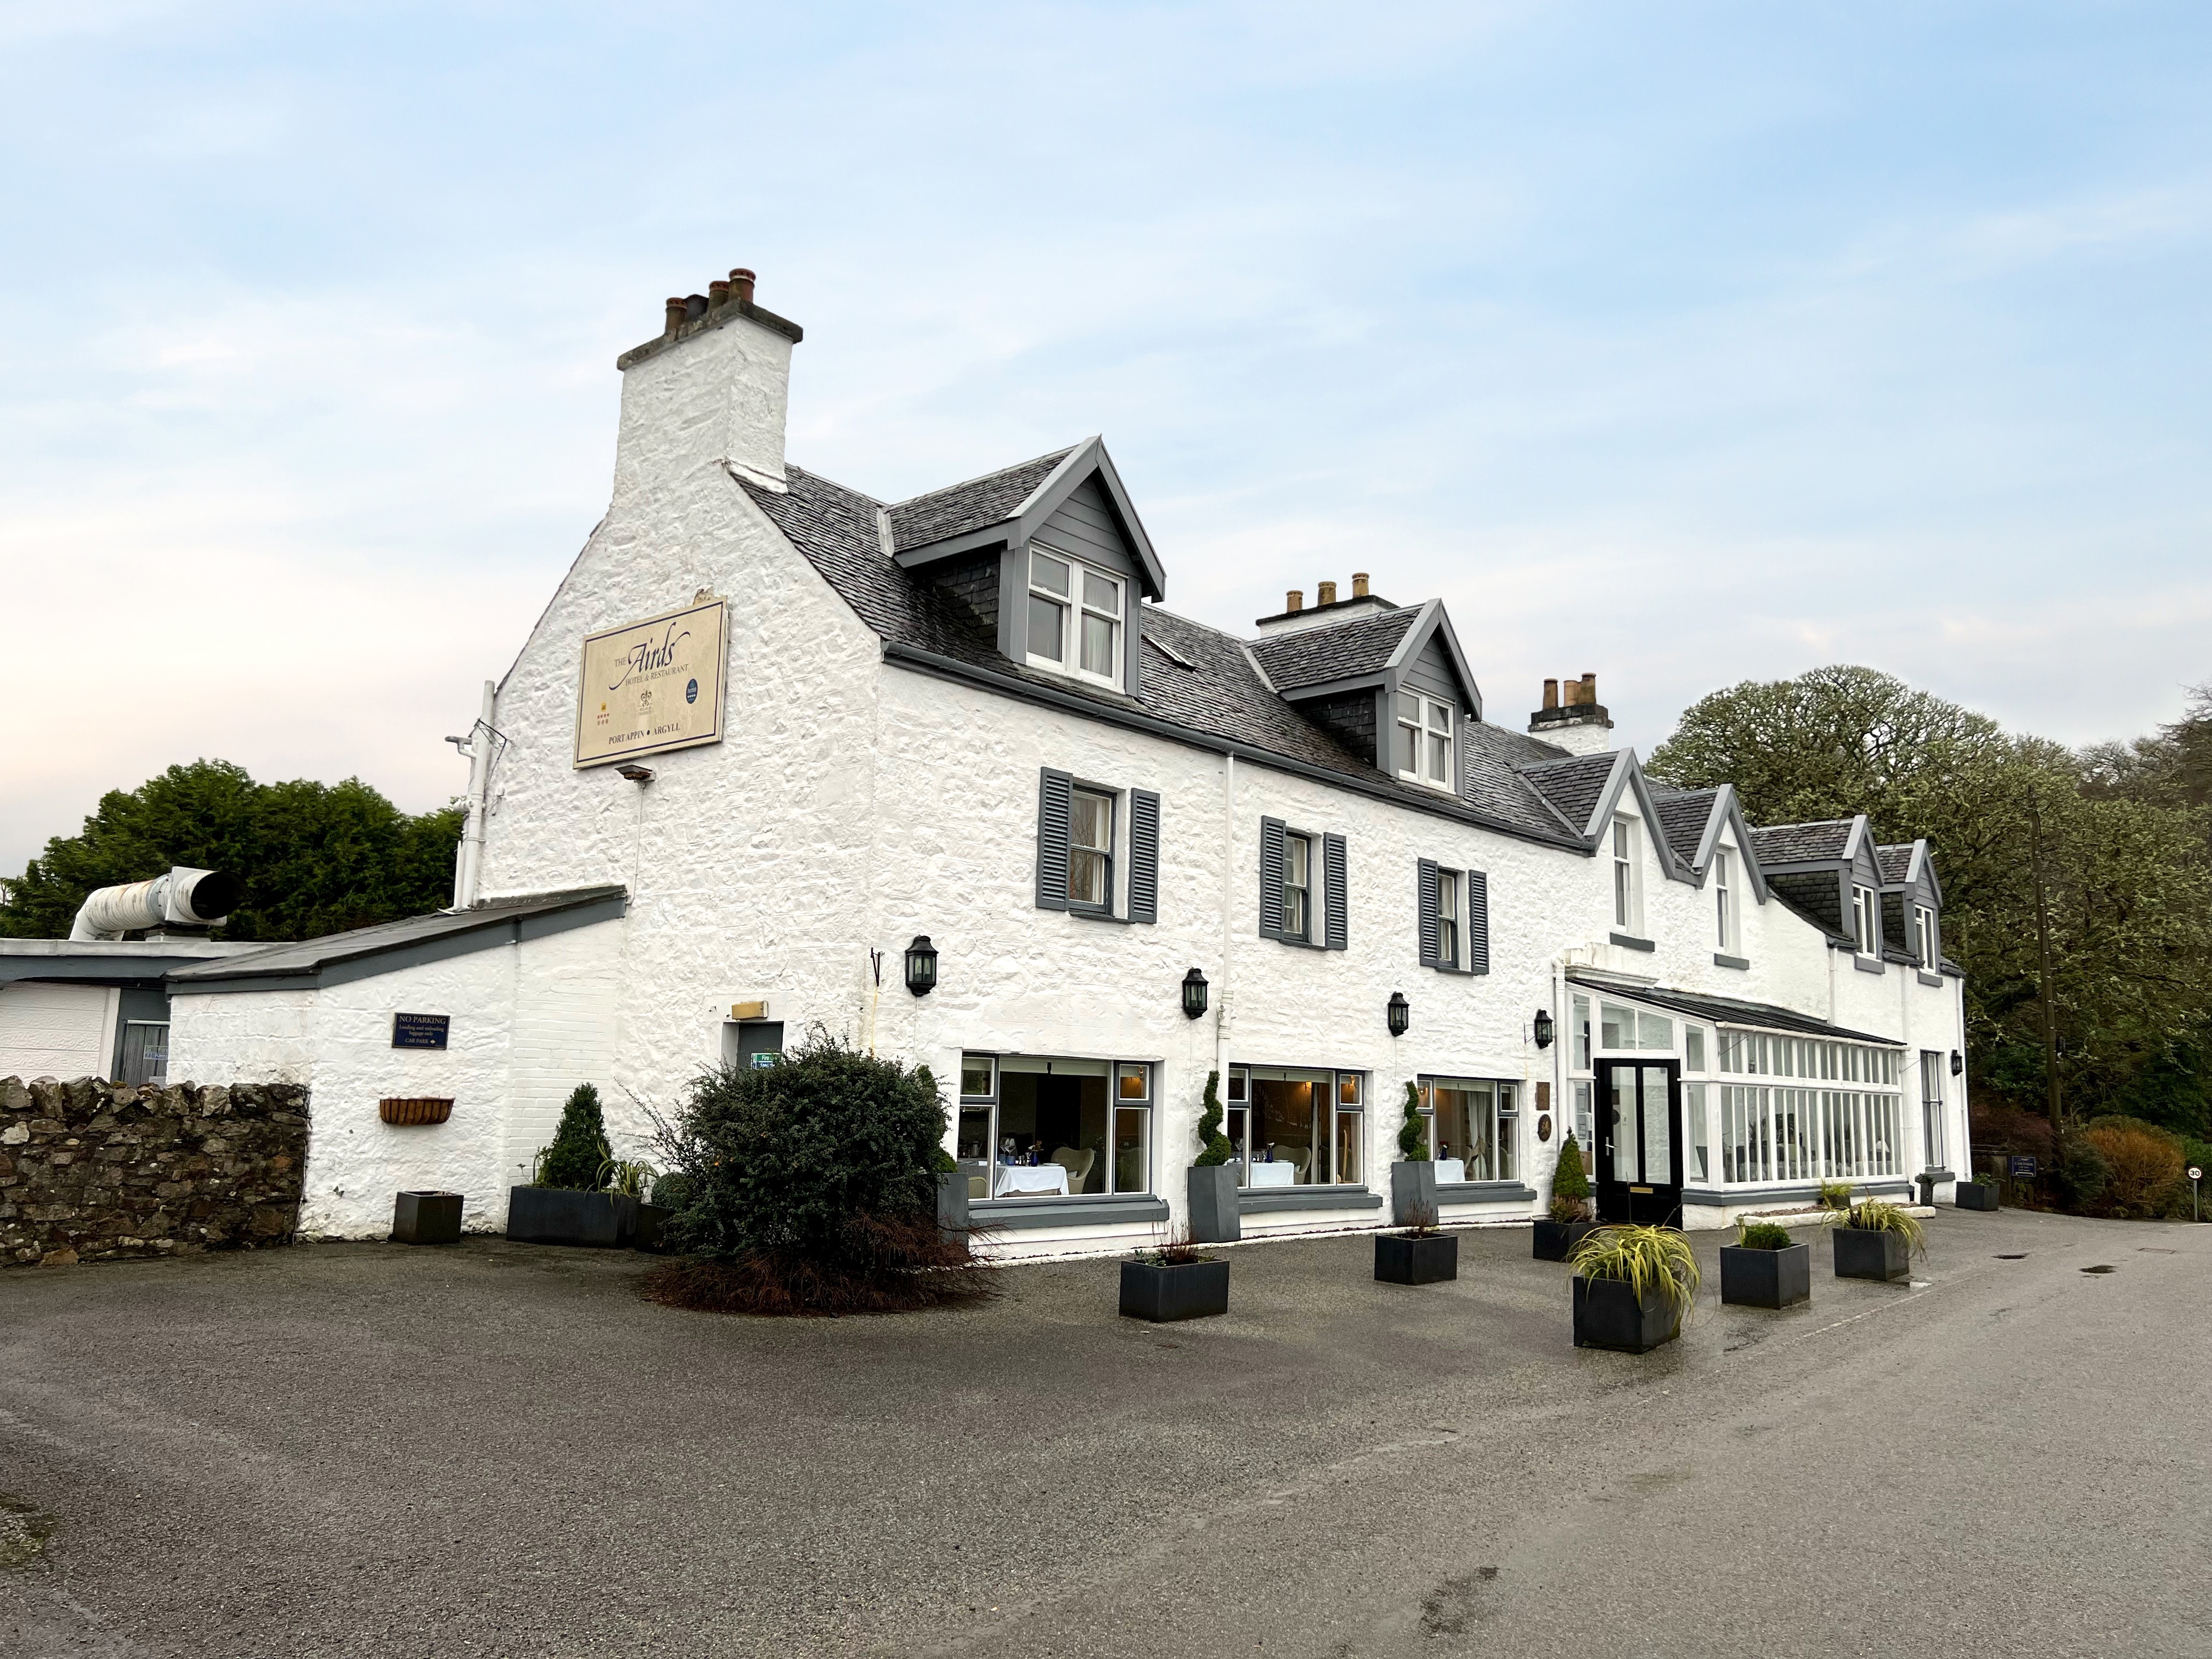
(369, 1450)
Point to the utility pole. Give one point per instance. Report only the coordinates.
(2043, 946)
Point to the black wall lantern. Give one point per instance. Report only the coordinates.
(1193, 995)
(1402, 1013)
(921, 966)
(1958, 1062)
(1544, 1028)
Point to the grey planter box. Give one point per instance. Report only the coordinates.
(1555, 1241)
(652, 1218)
(1609, 1316)
(1214, 1217)
(1871, 1253)
(426, 1218)
(1766, 1279)
(952, 1204)
(556, 1215)
(1972, 1195)
(1414, 1194)
(1194, 1290)
(1403, 1260)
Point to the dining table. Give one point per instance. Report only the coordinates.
(1274, 1175)
(1029, 1178)
(1451, 1171)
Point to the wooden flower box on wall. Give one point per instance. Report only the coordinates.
(423, 1109)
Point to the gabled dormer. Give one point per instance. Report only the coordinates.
(1829, 872)
(1912, 904)
(1049, 556)
(1388, 682)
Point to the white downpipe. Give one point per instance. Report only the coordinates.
(1228, 913)
(469, 865)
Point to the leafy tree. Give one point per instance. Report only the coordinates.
(579, 1149)
(1216, 1148)
(315, 858)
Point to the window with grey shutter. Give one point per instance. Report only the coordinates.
(1425, 902)
(1478, 922)
(1054, 791)
(1336, 917)
(1144, 855)
(1271, 834)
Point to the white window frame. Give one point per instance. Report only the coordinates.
(1781, 1118)
(1934, 1141)
(1505, 1121)
(1296, 841)
(1866, 920)
(1418, 719)
(1074, 605)
(1347, 1097)
(1113, 804)
(1724, 900)
(1924, 939)
(1627, 885)
(1451, 919)
(1145, 1073)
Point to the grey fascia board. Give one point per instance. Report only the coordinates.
(1378, 681)
(144, 972)
(1132, 718)
(1103, 1209)
(1250, 1202)
(495, 930)
(1484, 1191)
(997, 534)
(1807, 1191)
(1727, 810)
(1610, 797)
(1434, 620)
(1087, 458)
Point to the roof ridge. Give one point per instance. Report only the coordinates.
(995, 472)
(823, 477)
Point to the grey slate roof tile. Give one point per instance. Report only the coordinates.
(1896, 861)
(1801, 843)
(1572, 785)
(940, 513)
(1683, 817)
(1729, 1010)
(1314, 656)
(305, 956)
(1219, 695)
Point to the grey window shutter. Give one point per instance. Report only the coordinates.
(1478, 922)
(1144, 855)
(1054, 806)
(1272, 832)
(1333, 896)
(1426, 897)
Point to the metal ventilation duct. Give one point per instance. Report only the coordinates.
(182, 898)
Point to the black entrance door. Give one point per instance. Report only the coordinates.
(1639, 1142)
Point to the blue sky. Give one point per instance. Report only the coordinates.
(1684, 345)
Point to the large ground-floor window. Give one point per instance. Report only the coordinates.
(1806, 1134)
(1474, 1128)
(1293, 1127)
(1036, 1125)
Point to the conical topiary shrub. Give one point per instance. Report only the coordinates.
(1571, 1187)
(1413, 1133)
(580, 1149)
(1218, 1149)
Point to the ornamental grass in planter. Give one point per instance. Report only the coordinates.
(1877, 1241)
(1416, 1255)
(1765, 1268)
(1633, 1287)
(1172, 1281)
(810, 1187)
(1569, 1222)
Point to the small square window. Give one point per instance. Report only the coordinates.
(1348, 1088)
(976, 1075)
(1135, 1082)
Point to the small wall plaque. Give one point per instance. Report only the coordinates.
(420, 1030)
(2023, 1166)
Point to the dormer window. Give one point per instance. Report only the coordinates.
(1075, 618)
(1723, 900)
(1923, 936)
(1865, 924)
(1425, 740)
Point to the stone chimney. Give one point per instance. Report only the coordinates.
(1572, 717)
(711, 390)
(1327, 611)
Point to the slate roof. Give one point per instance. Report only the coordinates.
(1896, 862)
(1219, 695)
(1573, 784)
(1728, 1011)
(1683, 817)
(1802, 843)
(1338, 651)
(939, 514)
(311, 955)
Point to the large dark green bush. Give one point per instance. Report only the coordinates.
(811, 1186)
(1218, 1149)
(578, 1151)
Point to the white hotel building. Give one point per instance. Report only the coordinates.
(968, 716)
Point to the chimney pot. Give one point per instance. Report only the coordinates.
(1296, 601)
(675, 312)
(1325, 594)
(718, 293)
(1359, 584)
(1589, 688)
(1571, 693)
(1551, 694)
(741, 286)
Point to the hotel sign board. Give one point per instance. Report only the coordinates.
(652, 685)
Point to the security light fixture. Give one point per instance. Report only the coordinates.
(1401, 1014)
(1958, 1062)
(1194, 994)
(1544, 1028)
(636, 773)
(921, 966)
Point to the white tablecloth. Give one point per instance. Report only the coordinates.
(1275, 1175)
(1451, 1172)
(1026, 1178)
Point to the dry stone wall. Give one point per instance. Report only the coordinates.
(91, 1170)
